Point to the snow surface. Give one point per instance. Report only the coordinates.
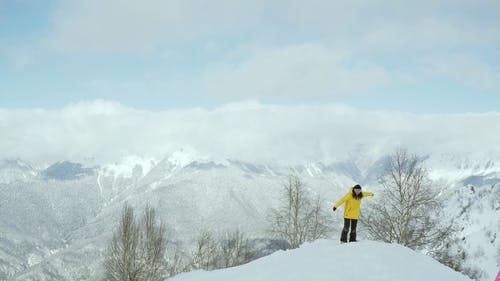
(326, 260)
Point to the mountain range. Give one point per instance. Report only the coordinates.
(56, 219)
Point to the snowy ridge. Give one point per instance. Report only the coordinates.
(452, 167)
(126, 167)
(326, 260)
(12, 170)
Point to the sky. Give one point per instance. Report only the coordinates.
(287, 81)
(407, 56)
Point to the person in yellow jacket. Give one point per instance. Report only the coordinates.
(352, 206)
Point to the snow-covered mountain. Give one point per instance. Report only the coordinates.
(476, 211)
(56, 221)
(12, 170)
(326, 260)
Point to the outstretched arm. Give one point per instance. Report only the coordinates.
(341, 201)
(367, 193)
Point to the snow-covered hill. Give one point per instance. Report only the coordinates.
(326, 260)
(55, 221)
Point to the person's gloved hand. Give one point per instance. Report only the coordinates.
(334, 209)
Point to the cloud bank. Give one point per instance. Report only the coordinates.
(250, 131)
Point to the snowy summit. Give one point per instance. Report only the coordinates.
(326, 260)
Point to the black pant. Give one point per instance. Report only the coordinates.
(352, 223)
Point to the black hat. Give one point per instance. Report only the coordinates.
(357, 186)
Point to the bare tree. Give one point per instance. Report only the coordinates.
(136, 249)
(205, 255)
(299, 218)
(408, 210)
(177, 263)
(121, 263)
(319, 226)
(153, 245)
(234, 249)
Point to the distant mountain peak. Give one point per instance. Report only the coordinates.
(14, 164)
(67, 170)
(12, 170)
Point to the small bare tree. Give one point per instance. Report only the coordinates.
(177, 263)
(153, 245)
(408, 210)
(121, 262)
(136, 249)
(234, 249)
(205, 255)
(299, 218)
(318, 221)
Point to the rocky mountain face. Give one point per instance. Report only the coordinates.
(55, 222)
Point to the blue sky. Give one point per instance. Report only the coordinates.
(416, 56)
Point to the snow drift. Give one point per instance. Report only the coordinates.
(326, 260)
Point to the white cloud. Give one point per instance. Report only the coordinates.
(308, 70)
(466, 70)
(132, 26)
(317, 49)
(252, 132)
(358, 46)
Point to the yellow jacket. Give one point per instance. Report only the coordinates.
(352, 205)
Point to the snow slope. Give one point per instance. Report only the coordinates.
(326, 260)
(476, 209)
